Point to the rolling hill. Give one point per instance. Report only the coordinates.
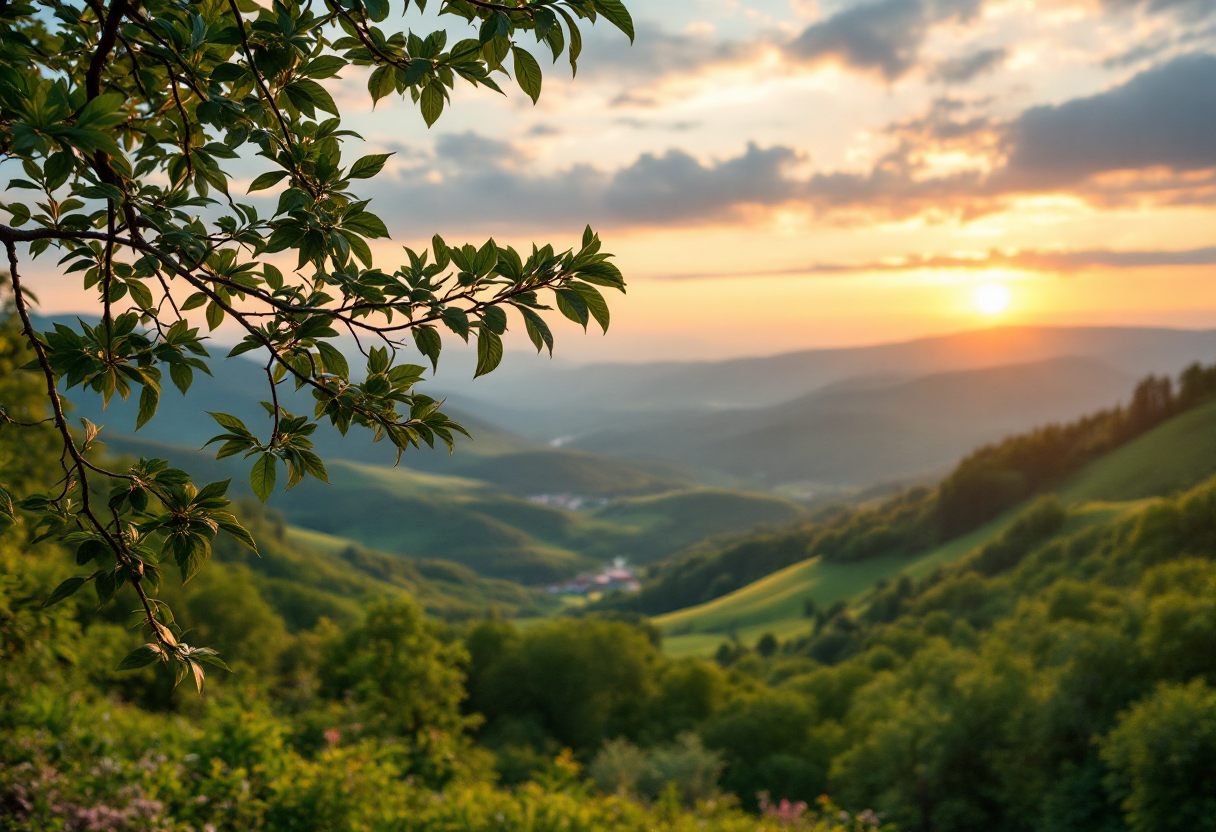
(481, 526)
(1168, 459)
(305, 576)
(862, 432)
(546, 399)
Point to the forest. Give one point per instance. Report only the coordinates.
(1082, 654)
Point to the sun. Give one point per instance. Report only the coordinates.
(992, 298)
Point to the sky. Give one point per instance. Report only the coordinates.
(784, 174)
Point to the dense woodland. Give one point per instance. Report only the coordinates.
(1063, 677)
(347, 707)
(986, 483)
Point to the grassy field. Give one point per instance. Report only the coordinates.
(666, 523)
(1172, 457)
(774, 604)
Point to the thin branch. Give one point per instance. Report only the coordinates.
(69, 444)
(274, 395)
(257, 75)
(185, 120)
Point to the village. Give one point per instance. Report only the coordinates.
(618, 576)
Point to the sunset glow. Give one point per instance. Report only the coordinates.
(992, 298)
(805, 172)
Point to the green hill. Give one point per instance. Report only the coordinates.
(305, 576)
(668, 523)
(481, 526)
(1170, 458)
(775, 604)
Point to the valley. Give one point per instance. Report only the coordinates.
(1171, 458)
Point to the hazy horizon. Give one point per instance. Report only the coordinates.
(778, 175)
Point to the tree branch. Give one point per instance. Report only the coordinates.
(105, 45)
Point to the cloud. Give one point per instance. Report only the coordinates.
(1149, 138)
(1190, 9)
(883, 37)
(482, 184)
(969, 67)
(656, 54)
(675, 186)
(1162, 118)
(473, 151)
(1058, 262)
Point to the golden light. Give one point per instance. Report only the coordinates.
(992, 298)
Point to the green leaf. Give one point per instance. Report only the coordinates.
(262, 476)
(314, 465)
(334, 360)
(527, 72)
(266, 180)
(495, 318)
(274, 277)
(617, 15)
(429, 343)
(432, 102)
(211, 658)
(571, 304)
(228, 72)
(107, 584)
(369, 225)
(148, 401)
(182, 376)
(101, 112)
(141, 657)
(382, 83)
(489, 351)
(326, 66)
(190, 551)
(230, 422)
(457, 321)
(368, 166)
(215, 315)
(596, 304)
(538, 330)
(305, 92)
(230, 524)
(194, 301)
(211, 491)
(65, 590)
(6, 505)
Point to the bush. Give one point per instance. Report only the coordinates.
(1162, 757)
(686, 768)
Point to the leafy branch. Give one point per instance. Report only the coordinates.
(121, 116)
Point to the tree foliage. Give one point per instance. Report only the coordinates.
(990, 480)
(123, 117)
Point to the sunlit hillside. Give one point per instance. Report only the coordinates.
(1171, 458)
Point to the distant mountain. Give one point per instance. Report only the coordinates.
(860, 433)
(555, 400)
(517, 465)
